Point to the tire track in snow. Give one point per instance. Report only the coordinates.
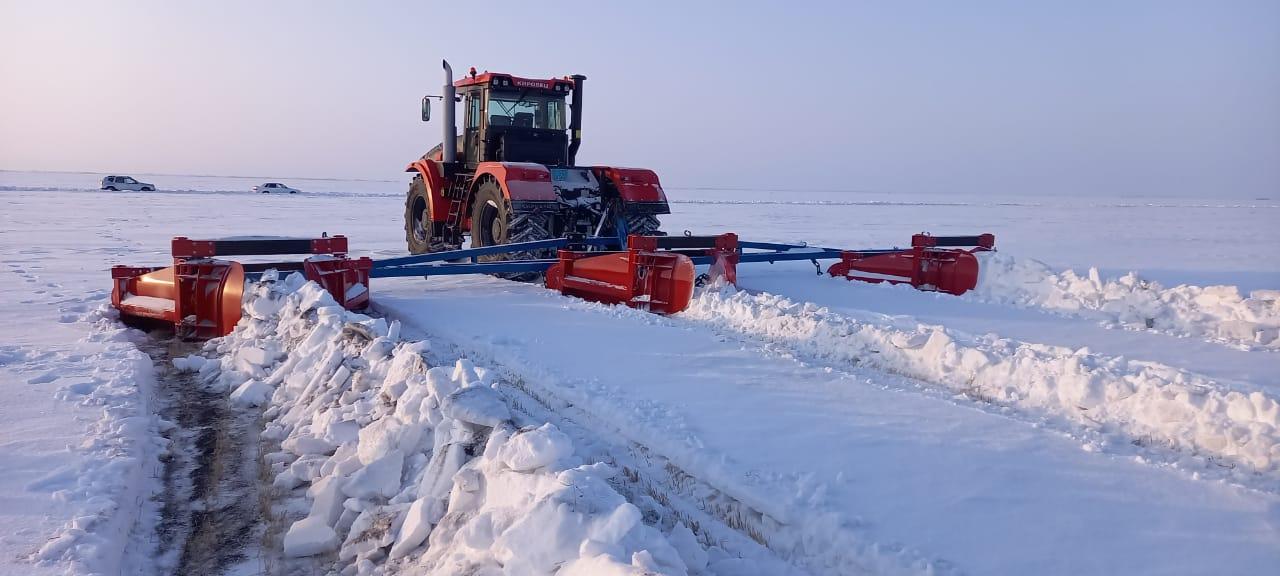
(210, 516)
(1149, 405)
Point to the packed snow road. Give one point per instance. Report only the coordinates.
(1056, 425)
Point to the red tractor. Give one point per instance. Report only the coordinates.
(512, 175)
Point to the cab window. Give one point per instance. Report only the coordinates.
(473, 112)
(526, 111)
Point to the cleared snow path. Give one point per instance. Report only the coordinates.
(830, 458)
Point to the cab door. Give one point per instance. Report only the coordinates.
(473, 135)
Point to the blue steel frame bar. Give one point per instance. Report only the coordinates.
(773, 257)
(473, 253)
(438, 263)
(507, 267)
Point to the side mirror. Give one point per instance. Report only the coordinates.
(426, 108)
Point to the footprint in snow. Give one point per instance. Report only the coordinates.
(43, 378)
(64, 477)
(78, 389)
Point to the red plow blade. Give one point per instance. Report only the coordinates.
(926, 265)
(659, 282)
(201, 296)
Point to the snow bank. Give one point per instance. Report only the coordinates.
(1218, 313)
(110, 488)
(1143, 401)
(408, 468)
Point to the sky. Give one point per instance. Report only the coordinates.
(1128, 98)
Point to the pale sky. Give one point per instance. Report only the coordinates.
(1111, 98)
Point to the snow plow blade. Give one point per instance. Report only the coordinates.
(660, 282)
(926, 266)
(201, 295)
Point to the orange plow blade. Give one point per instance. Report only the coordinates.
(201, 298)
(201, 295)
(659, 282)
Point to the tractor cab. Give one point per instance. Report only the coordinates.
(512, 119)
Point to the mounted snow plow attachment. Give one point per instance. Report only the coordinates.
(654, 281)
(927, 265)
(933, 263)
(201, 295)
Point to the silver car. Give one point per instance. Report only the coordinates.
(275, 187)
(126, 183)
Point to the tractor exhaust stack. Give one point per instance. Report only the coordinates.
(575, 119)
(450, 128)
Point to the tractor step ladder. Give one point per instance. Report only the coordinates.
(457, 195)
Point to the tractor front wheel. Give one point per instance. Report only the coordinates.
(418, 225)
(490, 217)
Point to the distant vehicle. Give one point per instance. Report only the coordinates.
(276, 187)
(126, 183)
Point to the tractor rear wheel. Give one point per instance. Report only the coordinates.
(419, 227)
(493, 222)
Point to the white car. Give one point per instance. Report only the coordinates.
(276, 187)
(126, 183)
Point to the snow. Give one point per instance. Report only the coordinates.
(759, 434)
(310, 536)
(1142, 400)
(252, 393)
(1216, 312)
(80, 434)
(148, 302)
(437, 459)
(476, 405)
(823, 456)
(529, 450)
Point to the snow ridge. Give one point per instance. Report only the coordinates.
(1142, 401)
(1217, 313)
(388, 465)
